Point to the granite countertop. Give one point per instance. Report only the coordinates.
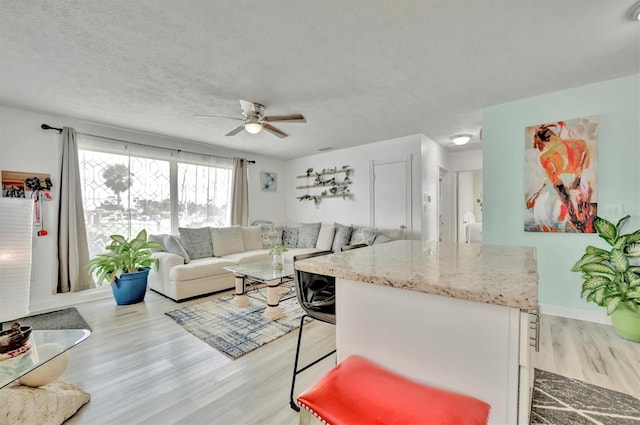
(494, 274)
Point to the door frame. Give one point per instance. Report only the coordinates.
(408, 161)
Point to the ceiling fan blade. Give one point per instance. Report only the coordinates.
(218, 116)
(249, 108)
(271, 129)
(292, 118)
(235, 130)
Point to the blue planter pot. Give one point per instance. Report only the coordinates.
(130, 288)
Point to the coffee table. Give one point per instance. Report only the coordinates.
(261, 272)
(52, 344)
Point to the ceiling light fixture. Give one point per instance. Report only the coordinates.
(461, 139)
(253, 126)
(634, 12)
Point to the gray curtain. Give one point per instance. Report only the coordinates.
(240, 194)
(73, 249)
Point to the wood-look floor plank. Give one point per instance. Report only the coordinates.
(142, 368)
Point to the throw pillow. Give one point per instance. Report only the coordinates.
(342, 237)
(159, 239)
(251, 237)
(197, 242)
(325, 237)
(271, 235)
(290, 237)
(308, 236)
(381, 238)
(173, 245)
(362, 235)
(227, 240)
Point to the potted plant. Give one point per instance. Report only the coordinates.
(278, 256)
(126, 266)
(612, 278)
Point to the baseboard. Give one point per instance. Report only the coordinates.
(59, 301)
(576, 313)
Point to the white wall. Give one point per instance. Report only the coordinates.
(466, 160)
(433, 157)
(24, 146)
(356, 209)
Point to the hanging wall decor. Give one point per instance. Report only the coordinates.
(561, 163)
(268, 181)
(332, 182)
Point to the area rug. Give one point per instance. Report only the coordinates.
(561, 400)
(68, 318)
(236, 331)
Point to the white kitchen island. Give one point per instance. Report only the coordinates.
(454, 316)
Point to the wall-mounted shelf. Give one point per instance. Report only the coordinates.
(337, 188)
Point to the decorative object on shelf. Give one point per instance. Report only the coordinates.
(268, 181)
(15, 338)
(327, 177)
(277, 252)
(561, 175)
(16, 230)
(126, 267)
(612, 278)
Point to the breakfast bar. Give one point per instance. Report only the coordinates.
(454, 316)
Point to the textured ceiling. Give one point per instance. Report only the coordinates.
(360, 71)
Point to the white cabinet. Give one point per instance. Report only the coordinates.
(470, 347)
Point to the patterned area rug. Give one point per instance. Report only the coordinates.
(561, 400)
(236, 331)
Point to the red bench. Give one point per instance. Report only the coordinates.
(358, 391)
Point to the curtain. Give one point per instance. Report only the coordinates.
(240, 194)
(73, 251)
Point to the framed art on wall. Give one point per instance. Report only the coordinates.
(268, 181)
(561, 164)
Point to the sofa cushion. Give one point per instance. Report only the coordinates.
(159, 239)
(308, 235)
(203, 267)
(226, 240)
(197, 242)
(362, 235)
(381, 238)
(393, 234)
(251, 237)
(342, 236)
(288, 256)
(325, 237)
(290, 237)
(173, 245)
(249, 256)
(271, 235)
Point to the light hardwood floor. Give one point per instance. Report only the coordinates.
(142, 368)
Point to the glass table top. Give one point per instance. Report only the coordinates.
(45, 345)
(263, 270)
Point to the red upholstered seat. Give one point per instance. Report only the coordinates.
(358, 391)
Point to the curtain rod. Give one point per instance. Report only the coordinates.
(59, 130)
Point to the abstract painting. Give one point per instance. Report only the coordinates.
(268, 181)
(561, 170)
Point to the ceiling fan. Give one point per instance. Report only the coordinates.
(255, 120)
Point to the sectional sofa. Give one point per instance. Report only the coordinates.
(191, 264)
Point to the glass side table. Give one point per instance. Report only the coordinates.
(45, 346)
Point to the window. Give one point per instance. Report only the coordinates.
(127, 188)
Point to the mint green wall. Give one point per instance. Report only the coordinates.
(617, 104)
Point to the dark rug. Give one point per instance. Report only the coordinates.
(235, 331)
(561, 400)
(68, 318)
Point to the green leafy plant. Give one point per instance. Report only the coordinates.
(123, 257)
(278, 249)
(612, 278)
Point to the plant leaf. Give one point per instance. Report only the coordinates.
(613, 304)
(598, 296)
(595, 282)
(119, 239)
(633, 250)
(635, 282)
(622, 222)
(631, 305)
(634, 293)
(606, 230)
(619, 260)
(634, 237)
(586, 258)
(599, 268)
(621, 241)
(598, 251)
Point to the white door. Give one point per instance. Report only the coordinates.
(391, 194)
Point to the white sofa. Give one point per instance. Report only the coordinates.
(179, 281)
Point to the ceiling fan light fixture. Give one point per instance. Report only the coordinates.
(253, 126)
(460, 139)
(634, 12)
